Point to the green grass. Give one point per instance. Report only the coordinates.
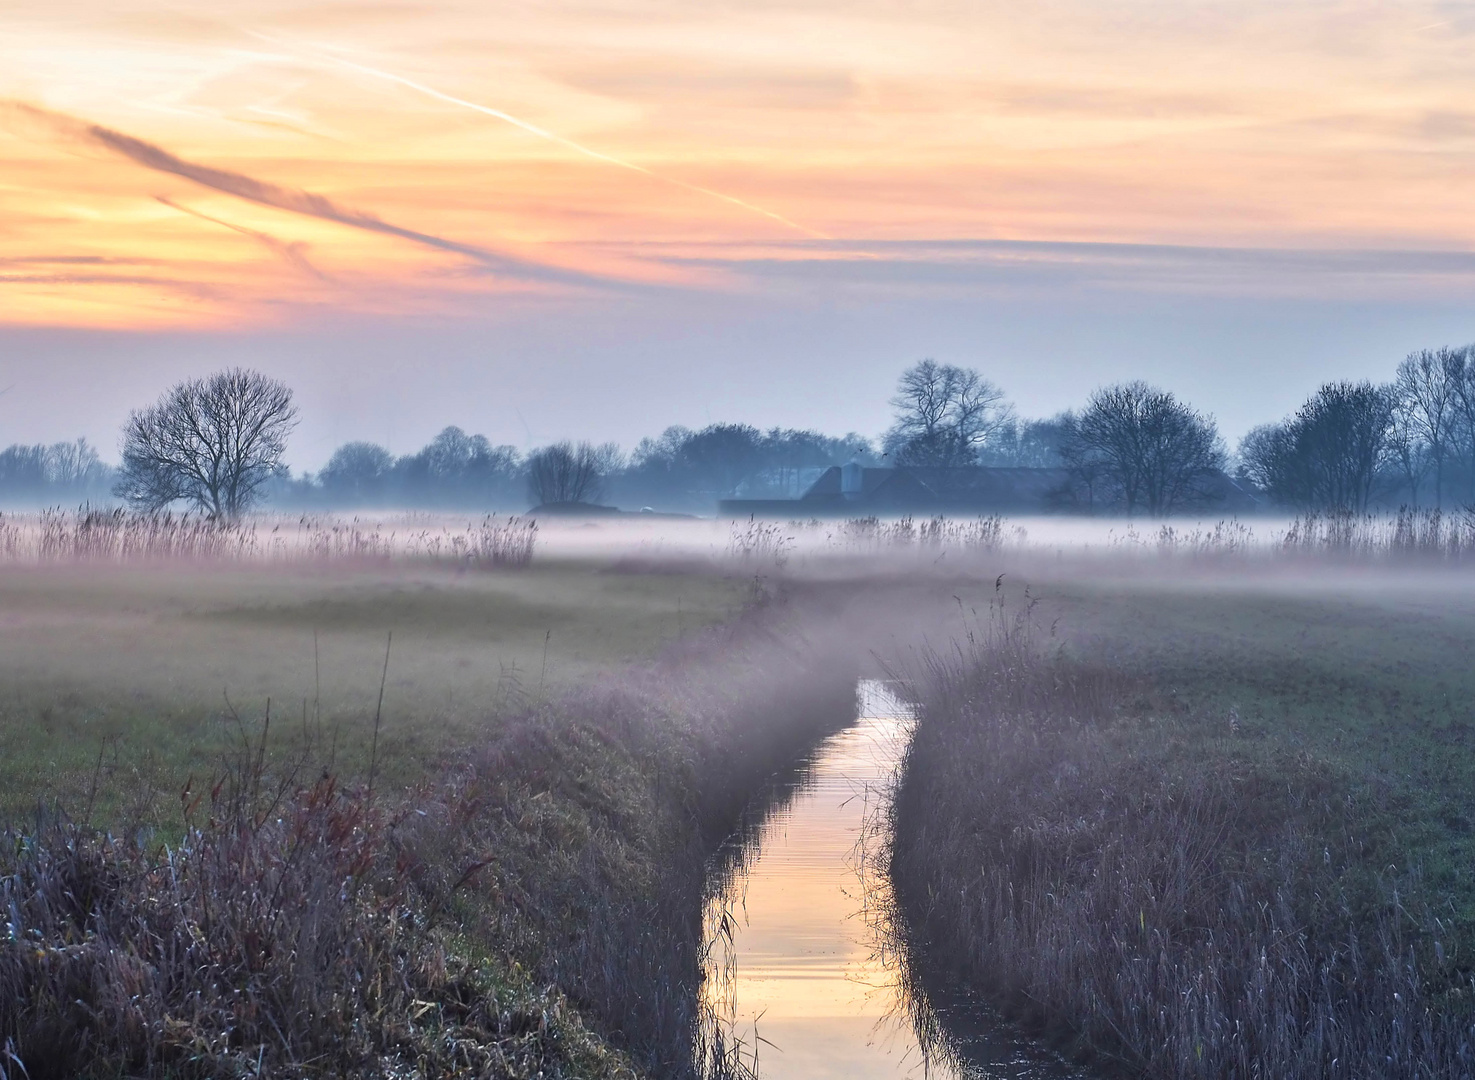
(1372, 676)
(128, 679)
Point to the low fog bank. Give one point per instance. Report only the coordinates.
(769, 545)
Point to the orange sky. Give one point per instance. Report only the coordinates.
(1279, 125)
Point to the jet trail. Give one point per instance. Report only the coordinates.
(551, 136)
(294, 200)
(292, 252)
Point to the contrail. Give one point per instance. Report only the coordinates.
(544, 133)
(292, 253)
(295, 200)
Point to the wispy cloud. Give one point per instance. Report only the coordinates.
(294, 200)
(544, 133)
(1046, 268)
(293, 253)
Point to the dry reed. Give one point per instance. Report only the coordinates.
(91, 535)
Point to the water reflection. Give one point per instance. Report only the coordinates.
(803, 968)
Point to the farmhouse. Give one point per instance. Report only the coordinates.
(856, 490)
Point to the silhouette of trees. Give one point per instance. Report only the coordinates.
(721, 456)
(566, 472)
(216, 445)
(1426, 397)
(357, 474)
(212, 443)
(1028, 444)
(456, 469)
(1331, 453)
(944, 415)
(62, 472)
(1268, 460)
(1463, 429)
(691, 469)
(1139, 446)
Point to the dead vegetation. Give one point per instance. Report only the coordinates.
(117, 536)
(545, 885)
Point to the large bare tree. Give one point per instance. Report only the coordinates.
(211, 443)
(1157, 454)
(944, 415)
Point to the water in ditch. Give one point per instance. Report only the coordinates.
(804, 969)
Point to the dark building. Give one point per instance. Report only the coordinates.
(856, 491)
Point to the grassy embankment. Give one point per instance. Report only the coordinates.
(1224, 830)
(530, 850)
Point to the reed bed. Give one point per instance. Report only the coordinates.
(546, 885)
(760, 544)
(927, 534)
(1408, 536)
(119, 536)
(1170, 906)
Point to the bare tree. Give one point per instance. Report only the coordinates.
(1426, 398)
(944, 415)
(1330, 454)
(211, 443)
(1409, 454)
(565, 472)
(1342, 435)
(1156, 454)
(74, 465)
(1265, 454)
(1463, 430)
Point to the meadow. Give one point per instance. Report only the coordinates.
(129, 678)
(453, 881)
(1142, 765)
(1199, 821)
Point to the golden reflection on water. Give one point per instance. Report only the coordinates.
(806, 985)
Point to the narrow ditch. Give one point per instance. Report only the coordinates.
(806, 971)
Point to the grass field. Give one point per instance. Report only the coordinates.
(1204, 823)
(131, 676)
(521, 893)
(1373, 674)
(565, 745)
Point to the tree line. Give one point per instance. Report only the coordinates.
(1137, 449)
(64, 471)
(216, 446)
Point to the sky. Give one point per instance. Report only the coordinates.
(566, 219)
